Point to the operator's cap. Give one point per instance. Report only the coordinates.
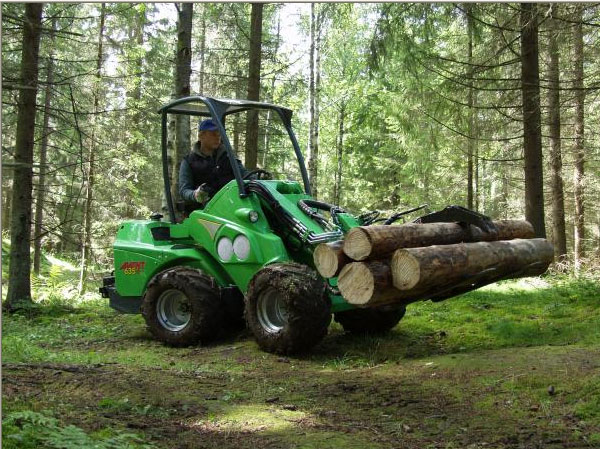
(207, 125)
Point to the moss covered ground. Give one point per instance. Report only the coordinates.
(512, 365)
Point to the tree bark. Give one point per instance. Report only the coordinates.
(272, 93)
(558, 201)
(41, 187)
(432, 267)
(579, 151)
(378, 241)
(532, 133)
(90, 178)
(183, 70)
(441, 271)
(251, 156)
(19, 286)
(337, 188)
(313, 100)
(202, 51)
(470, 132)
(7, 193)
(329, 258)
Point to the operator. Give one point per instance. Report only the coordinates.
(206, 169)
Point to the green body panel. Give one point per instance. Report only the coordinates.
(348, 222)
(139, 254)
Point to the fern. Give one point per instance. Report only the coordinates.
(29, 429)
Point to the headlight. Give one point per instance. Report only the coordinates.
(241, 247)
(225, 248)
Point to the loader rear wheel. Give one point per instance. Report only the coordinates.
(287, 308)
(377, 320)
(181, 307)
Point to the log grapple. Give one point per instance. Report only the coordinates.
(264, 252)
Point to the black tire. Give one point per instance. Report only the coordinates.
(195, 292)
(301, 310)
(378, 320)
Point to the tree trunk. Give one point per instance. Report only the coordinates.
(202, 51)
(271, 94)
(41, 187)
(579, 151)
(254, 85)
(237, 118)
(532, 133)
(313, 146)
(378, 241)
(470, 132)
(183, 70)
(558, 202)
(329, 258)
(6, 204)
(19, 286)
(87, 212)
(431, 267)
(337, 191)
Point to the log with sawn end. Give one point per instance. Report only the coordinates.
(368, 283)
(436, 266)
(330, 258)
(379, 241)
(439, 272)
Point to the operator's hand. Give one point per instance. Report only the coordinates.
(201, 193)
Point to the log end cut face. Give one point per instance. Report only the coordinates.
(356, 283)
(326, 261)
(406, 269)
(357, 244)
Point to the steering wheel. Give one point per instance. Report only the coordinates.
(259, 174)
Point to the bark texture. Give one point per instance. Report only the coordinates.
(381, 240)
(558, 201)
(437, 266)
(251, 158)
(183, 70)
(19, 286)
(532, 133)
(579, 151)
(41, 186)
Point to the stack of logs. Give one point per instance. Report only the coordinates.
(377, 265)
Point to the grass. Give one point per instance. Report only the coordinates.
(510, 365)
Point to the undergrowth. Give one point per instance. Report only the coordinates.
(32, 430)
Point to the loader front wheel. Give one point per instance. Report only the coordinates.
(181, 307)
(377, 320)
(287, 308)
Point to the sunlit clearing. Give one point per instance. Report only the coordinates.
(61, 263)
(531, 283)
(251, 418)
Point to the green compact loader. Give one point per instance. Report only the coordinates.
(247, 254)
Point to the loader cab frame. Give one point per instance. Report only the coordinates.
(218, 110)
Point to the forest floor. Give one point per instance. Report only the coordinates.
(515, 365)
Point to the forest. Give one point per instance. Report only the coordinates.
(491, 106)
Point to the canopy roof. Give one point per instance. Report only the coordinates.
(201, 106)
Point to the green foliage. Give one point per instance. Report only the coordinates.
(30, 430)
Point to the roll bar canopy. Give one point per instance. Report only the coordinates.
(218, 109)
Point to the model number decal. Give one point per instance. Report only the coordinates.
(132, 267)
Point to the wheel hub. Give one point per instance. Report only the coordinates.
(271, 311)
(173, 310)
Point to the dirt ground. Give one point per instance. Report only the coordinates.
(234, 396)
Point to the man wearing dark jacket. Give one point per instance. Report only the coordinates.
(206, 169)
